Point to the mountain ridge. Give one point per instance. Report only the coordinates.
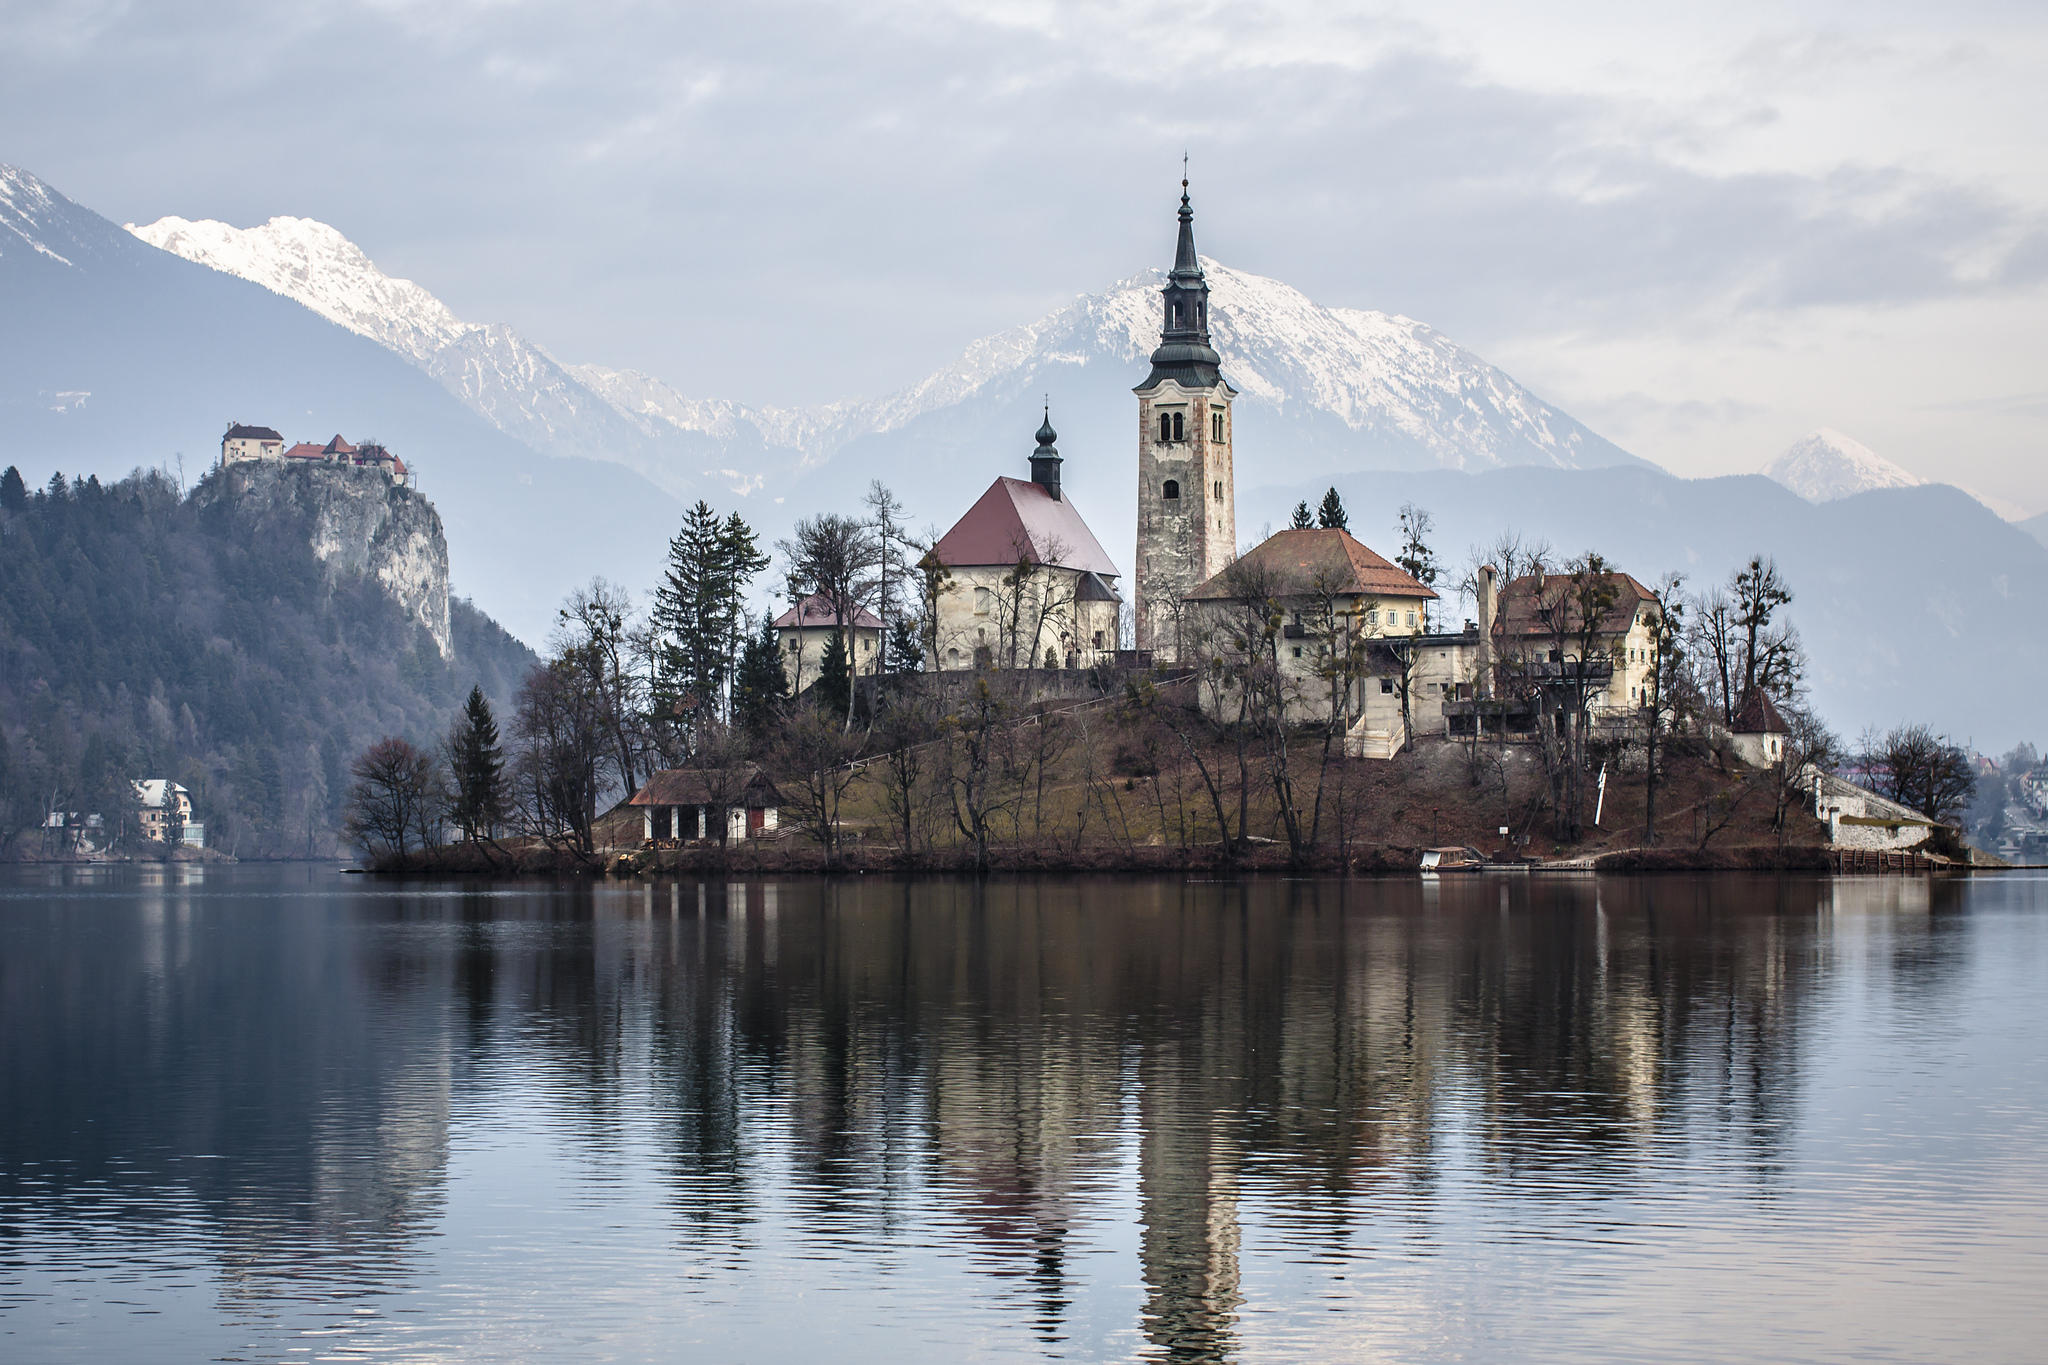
(1410, 397)
(1825, 465)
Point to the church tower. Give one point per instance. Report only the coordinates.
(1187, 493)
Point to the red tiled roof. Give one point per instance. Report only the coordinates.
(1017, 519)
(305, 450)
(1524, 602)
(1298, 559)
(818, 612)
(339, 446)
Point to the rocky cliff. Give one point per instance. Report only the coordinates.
(360, 525)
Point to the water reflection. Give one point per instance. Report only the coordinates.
(276, 1072)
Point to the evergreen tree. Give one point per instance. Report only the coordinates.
(477, 764)
(760, 687)
(1303, 518)
(834, 690)
(906, 644)
(1331, 515)
(13, 492)
(698, 609)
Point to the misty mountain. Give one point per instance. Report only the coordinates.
(114, 354)
(1824, 465)
(1339, 389)
(2037, 527)
(1916, 604)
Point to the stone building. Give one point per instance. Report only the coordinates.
(1346, 632)
(250, 443)
(1026, 582)
(1187, 493)
(1539, 644)
(807, 630)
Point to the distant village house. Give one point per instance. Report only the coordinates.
(246, 444)
(166, 808)
(807, 630)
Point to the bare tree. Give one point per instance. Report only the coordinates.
(593, 640)
(978, 738)
(818, 752)
(1916, 767)
(904, 734)
(564, 758)
(395, 799)
(1664, 698)
(839, 558)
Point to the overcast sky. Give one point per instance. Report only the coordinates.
(1700, 229)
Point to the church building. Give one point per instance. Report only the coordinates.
(1187, 491)
(1027, 584)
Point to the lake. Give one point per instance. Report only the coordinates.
(277, 1113)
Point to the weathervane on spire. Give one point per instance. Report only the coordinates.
(1183, 169)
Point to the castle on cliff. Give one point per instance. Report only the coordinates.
(244, 444)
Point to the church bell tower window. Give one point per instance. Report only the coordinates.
(1171, 492)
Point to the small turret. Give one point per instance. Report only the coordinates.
(1045, 461)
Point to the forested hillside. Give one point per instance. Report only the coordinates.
(145, 634)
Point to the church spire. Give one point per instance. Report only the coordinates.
(1184, 352)
(1045, 460)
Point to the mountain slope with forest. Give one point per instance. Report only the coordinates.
(223, 640)
(115, 354)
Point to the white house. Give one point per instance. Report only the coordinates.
(807, 630)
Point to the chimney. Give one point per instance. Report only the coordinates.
(1488, 606)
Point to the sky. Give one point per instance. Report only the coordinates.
(1702, 230)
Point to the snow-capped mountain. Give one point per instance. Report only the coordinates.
(1824, 465)
(307, 260)
(1342, 388)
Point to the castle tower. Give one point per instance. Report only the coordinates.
(1187, 493)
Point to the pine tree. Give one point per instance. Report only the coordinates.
(477, 764)
(834, 690)
(760, 687)
(698, 610)
(13, 492)
(1303, 518)
(1331, 516)
(906, 644)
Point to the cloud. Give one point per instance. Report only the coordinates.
(796, 202)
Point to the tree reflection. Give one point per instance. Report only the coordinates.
(1015, 1056)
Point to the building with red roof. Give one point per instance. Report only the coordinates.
(1344, 627)
(807, 630)
(1026, 581)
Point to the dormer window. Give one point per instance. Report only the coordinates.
(1171, 492)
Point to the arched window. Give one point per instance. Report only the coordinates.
(1172, 490)
(1215, 426)
(1165, 427)
(1178, 433)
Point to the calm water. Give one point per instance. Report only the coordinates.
(286, 1115)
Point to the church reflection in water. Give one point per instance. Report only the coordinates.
(1034, 1060)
